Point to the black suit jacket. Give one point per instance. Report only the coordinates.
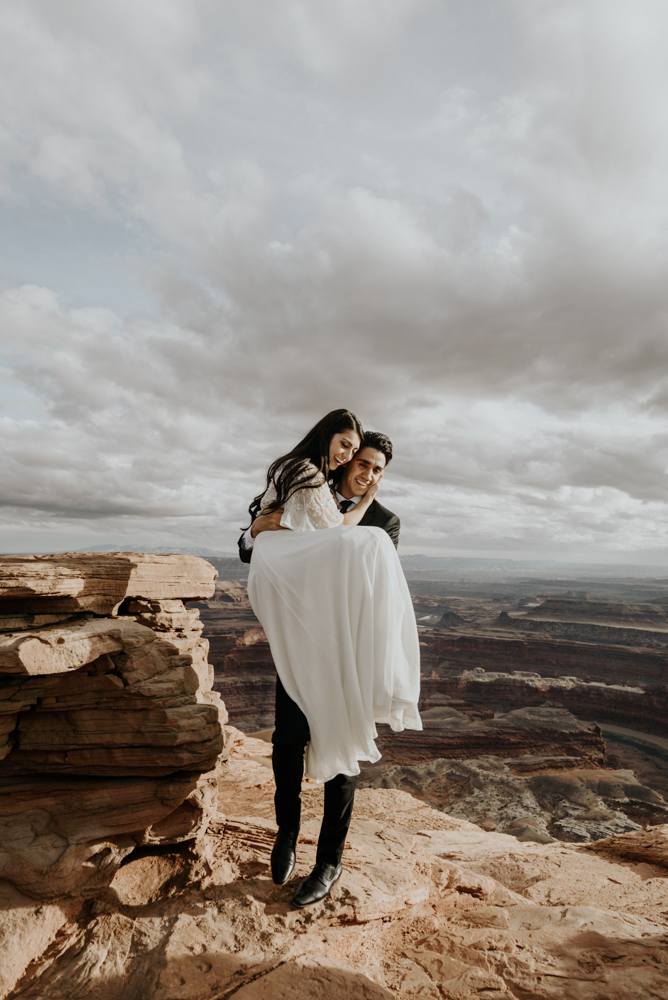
(376, 516)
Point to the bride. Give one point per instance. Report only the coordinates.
(336, 610)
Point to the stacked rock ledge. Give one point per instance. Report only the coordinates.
(110, 731)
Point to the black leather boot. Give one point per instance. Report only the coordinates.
(318, 884)
(283, 855)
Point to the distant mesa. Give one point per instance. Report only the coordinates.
(450, 618)
(230, 592)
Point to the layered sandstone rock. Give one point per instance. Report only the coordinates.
(447, 652)
(628, 704)
(617, 614)
(91, 581)
(109, 727)
(429, 906)
(451, 733)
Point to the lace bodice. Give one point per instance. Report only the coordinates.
(308, 509)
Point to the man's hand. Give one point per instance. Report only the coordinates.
(267, 522)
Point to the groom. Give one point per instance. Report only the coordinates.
(291, 733)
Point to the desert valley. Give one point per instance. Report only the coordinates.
(516, 847)
(530, 686)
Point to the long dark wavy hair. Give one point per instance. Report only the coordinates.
(289, 473)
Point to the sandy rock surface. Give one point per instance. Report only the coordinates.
(429, 906)
(58, 648)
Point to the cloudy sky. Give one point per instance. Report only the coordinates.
(220, 220)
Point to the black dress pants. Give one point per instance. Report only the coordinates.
(290, 738)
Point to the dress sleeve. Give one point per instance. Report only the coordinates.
(269, 496)
(311, 508)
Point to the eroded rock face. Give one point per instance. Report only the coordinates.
(66, 837)
(603, 660)
(622, 704)
(448, 732)
(99, 582)
(650, 846)
(448, 652)
(577, 806)
(429, 906)
(109, 729)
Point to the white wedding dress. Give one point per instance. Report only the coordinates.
(337, 613)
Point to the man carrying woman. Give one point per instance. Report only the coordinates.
(339, 619)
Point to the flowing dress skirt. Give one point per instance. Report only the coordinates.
(336, 610)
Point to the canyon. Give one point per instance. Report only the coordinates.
(601, 658)
(501, 852)
(547, 682)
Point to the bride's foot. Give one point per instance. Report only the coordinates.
(318, 884)
(283, 855)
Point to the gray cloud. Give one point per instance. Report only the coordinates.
(452, 221)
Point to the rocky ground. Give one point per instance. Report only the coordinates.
(577, 806)
(429, 906)
(124, 876)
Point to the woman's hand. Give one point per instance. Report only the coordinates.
(267, 522)
(370, 494)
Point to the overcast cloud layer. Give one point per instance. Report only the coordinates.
(221, 220)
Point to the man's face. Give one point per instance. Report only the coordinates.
(363, 471)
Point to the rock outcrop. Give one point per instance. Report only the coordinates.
(91, 581)
(109, 728)
(429, 906)
(650, 846)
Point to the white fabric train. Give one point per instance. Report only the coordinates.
(337, 613)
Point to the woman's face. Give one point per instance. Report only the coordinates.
(342, 447)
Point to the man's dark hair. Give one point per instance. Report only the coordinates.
(372, 439)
